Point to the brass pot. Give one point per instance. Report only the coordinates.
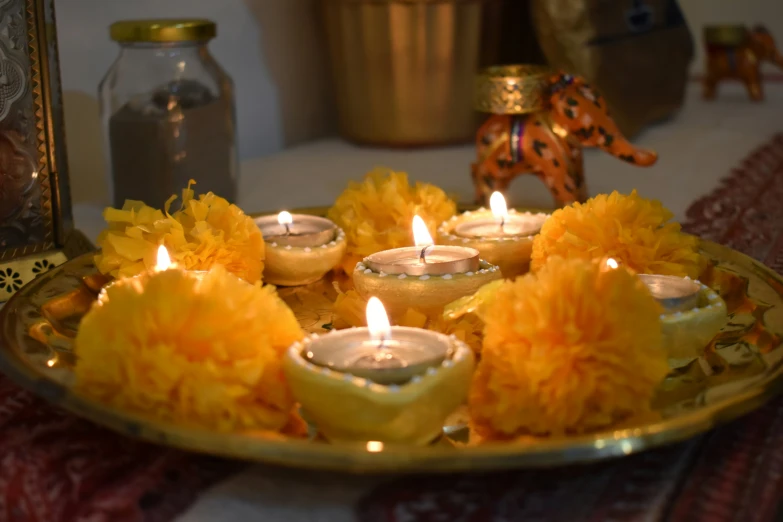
(404, 69)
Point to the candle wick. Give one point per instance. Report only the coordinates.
(502, 223)
(287, 229)
(423, 254)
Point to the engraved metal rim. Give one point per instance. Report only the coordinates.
(346, 458)
(512, 89)
(725, 34)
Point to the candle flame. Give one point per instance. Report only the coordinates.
(285, 218)
(163, 261)
(377, 320)
(498, 205)
(374, 446)
(421, 236)
(611, 263)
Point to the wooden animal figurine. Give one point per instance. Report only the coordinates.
(735, 53)
(540, 121)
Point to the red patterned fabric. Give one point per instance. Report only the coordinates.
(733, 474)
(746, 211)
(56, 467)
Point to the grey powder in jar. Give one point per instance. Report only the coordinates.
(161, 140)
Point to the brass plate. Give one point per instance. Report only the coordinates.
(742, 370)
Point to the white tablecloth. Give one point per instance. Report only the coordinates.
(697, 148)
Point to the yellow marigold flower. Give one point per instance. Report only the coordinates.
(569, 349)
(205, 232)
(633, 230)
(377, 213)
(206, 351)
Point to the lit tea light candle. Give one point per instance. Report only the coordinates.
(358, 384)
(499, 222)
(693, 314)
(298, 230)
(163, 259)
(673, 293)
(425, 258)
(380, 354)
(300, 249)
(503, 237)
(163, 262)
(425, 276)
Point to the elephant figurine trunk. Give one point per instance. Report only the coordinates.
(539, 123)
(734, 52)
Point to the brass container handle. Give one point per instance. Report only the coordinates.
(512, 89)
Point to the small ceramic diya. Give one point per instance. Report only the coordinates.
(692, 314)
(380, 383)
(162, 262)
(300, 249)
(503, 237)
(426, 276)
(674, 294)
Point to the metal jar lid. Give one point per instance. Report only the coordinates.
(163, 30)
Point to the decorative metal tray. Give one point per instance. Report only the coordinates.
(743, 368)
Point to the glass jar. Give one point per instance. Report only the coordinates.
(168, 114)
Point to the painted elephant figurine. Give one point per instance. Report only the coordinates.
(548, 143)
(735, 53)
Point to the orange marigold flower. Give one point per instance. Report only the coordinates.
(202, 350)
(377, 213)
(569, 349)
(635, 231)
(205, 232)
